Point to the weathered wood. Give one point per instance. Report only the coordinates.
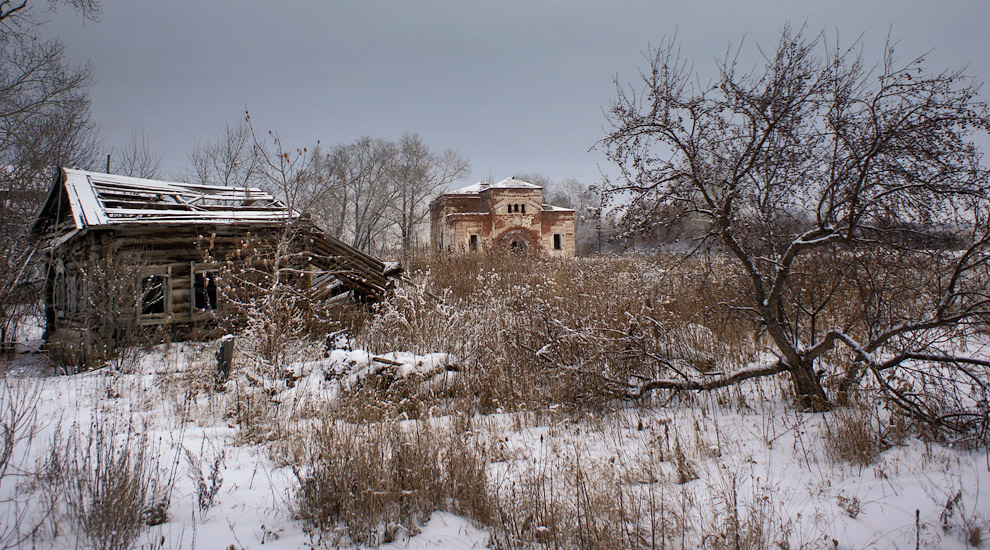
(174, 230)
(225, 358)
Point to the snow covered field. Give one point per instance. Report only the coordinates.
(483, 406)
(735, 469)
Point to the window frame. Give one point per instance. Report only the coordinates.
(163, 272)
(195, 268)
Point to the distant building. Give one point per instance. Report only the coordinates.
(509, 214)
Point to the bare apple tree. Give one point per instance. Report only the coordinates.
(850, 196)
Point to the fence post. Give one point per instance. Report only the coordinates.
(225, 356)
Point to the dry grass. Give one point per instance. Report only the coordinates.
(106, 483)
(573, 498)
(375, 483)
(544, 339)
(535, 332)
(852, 435)
(549, 342)
(20, 427)
(753, 524)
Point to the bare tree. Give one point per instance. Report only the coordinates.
(231, 160)
(19, 15)
(417, 174)
(828, 182)
(369, 192)
(44, 123)
(136, 159)
(361, 173)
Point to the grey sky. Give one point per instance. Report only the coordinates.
(517, 87)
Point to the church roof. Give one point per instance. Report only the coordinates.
(507, 183)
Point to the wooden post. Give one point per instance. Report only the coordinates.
(225, 357)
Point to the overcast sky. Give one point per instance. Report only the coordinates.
(517, 87)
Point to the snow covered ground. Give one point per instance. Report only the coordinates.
(698, 466)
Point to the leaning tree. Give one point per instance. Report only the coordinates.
(850, 197)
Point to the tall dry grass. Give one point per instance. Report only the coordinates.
(532, 332)
(105, 483)
(376, 483)
(551, 341)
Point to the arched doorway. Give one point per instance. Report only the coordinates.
(518, 241)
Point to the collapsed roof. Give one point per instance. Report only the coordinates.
(104, 200)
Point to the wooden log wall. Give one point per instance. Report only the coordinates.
(172, 251)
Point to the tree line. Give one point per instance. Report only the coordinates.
(373, 193)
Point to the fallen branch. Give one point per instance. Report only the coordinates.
(386, 361)
(715, 382)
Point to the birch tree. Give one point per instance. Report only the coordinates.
(137, 159)
(361, 173)
(230, 160)
(417, 174)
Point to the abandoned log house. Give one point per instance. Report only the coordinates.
(155, 254)
(509, 214)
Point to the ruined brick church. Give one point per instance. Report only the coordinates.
(509, 214)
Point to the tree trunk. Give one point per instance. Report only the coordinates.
(808, 391)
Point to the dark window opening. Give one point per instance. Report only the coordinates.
(153, 295)
(515, 207)
(205, 291)
(510, 209)
(474, 242)
(524, 209)
(557, 241)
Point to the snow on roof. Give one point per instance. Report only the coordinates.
(472, 189)
(507, 183)
(513, 183)
(552, 208)
(99, 199)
